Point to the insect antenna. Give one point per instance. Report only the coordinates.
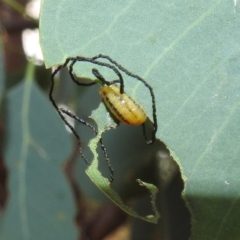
(72, 75)
(60, 113)
(67, 112)
(92, 60)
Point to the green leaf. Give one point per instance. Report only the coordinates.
(189, 52)
(40, 203)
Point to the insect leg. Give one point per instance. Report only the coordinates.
(67, 112)
(107, 160)
(145, 135)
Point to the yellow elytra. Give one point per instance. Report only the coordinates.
(122, 106)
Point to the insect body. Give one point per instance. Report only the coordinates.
(122, 106)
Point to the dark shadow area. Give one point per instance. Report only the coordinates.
(179, 215)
